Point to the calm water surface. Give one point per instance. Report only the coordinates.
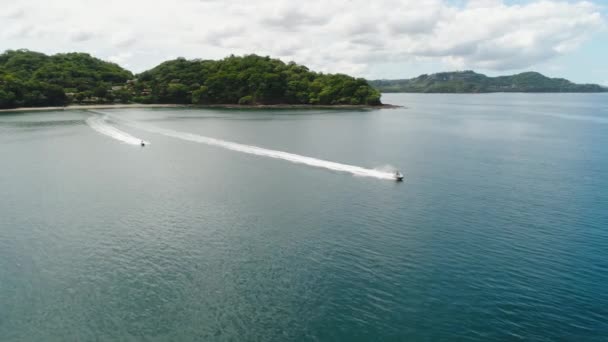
(500, 231)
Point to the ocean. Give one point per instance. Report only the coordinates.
(287, 225)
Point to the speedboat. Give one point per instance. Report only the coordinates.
(143, 143)
(398, 176)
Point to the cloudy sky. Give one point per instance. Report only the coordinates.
(374, 39)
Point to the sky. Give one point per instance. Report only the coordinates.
(374, 39)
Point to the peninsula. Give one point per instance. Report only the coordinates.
(32, 79)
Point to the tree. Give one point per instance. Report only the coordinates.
(7, 99)
(200, 96)
(178, 93)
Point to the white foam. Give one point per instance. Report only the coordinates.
(99, 123)
(259, 151)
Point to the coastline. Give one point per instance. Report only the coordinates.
(219, 106)
(496, 92)
(294, 106)
(85, 107)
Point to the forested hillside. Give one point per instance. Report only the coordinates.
(250, 80)
(32, 79)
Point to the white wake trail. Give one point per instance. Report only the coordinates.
(294, 158)
(99, 123)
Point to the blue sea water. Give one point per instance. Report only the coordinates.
(499, 232)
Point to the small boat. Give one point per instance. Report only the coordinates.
(143, 143)
(398, 176)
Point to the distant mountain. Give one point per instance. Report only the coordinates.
(472, 82)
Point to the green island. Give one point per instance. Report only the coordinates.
(33, 79)
(472, 82)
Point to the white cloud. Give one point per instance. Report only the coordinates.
(335, 36)
(14, 13)
(121, 58)
(81, 36)
(291, 18)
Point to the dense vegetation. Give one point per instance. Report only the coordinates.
(30, 79)
(250, 80)
(471, 82)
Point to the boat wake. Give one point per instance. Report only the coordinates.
(259, 151)
(99, 123)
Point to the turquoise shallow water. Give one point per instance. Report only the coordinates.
(500, 231)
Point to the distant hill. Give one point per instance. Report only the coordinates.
(472, 82)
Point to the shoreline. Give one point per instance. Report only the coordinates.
(294, 106)
(85, 107)
(495, 92)
(217, 106)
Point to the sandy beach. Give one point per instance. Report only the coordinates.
(85, 107)
(225, 106)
